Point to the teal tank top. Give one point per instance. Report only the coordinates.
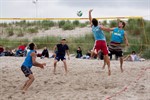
(117, 35)
(98, 33)
(28, 60)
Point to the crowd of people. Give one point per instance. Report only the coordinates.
(20, 51)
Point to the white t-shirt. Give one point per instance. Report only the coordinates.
(133, 57)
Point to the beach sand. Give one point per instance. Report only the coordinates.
(85, 81)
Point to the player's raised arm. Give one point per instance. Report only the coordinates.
(106, 28)
(90, 16)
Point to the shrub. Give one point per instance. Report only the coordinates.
(10, 31)
(61, 23)
(3, 25)
(33, 30)
(87, 23)
(113, 24)
(68, 26)
(47, 24)
(48, 41)
(146, 53)
(76, 22)
(104, 23)
(82, 25)
(135, 26)
(20, 33)
(13, 43)
(21, 23)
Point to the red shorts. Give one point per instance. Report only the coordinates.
(101, 45)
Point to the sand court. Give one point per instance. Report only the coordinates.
(85, 81)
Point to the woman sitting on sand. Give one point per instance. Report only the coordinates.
(133, 57)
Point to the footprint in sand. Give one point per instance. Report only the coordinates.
(59, 83)
(45, 82)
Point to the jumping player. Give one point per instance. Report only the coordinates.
(100, 40)
(30, 61)
(117, 38)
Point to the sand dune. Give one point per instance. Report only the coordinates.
(85, 81)
(54, 31)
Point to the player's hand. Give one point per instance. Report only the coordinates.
(90, 10)
(42, 65)
(54, 54)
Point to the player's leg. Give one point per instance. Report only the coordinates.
(24, 85)
(104, 63)
(28, 83)
(101, 45)
(27, 72)
(55, 64)
(104, 49)
(107, 61)
(110, 54)
(121, 63)
(65, 66)
(120, 55)
(94, 50)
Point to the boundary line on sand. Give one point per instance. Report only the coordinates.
(139, 76)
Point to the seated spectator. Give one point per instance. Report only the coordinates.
(45, 53)
(9, 53)
(1, 51)
(54, 55)
(88, 55)
(26, 50)
(133, 57)
(21, 50)
(79, 53)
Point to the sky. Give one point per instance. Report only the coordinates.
(69, 8)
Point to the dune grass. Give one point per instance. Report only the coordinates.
(137, 30)
(12, 44)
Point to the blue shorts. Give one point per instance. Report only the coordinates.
(26, 70)
(60, 57)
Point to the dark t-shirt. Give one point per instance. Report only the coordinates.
(45, 53)
(61, 49)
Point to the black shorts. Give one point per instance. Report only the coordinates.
(117, 53)
(60, 57)
(26, 70)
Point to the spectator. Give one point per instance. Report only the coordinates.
(21, 50)
(88, 55)
(1, 51)
(54, 54)
(133, 57)
(45, 53)
(79, 53)
(9, 53)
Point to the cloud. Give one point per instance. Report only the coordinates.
(143, 4)
(68, 8)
